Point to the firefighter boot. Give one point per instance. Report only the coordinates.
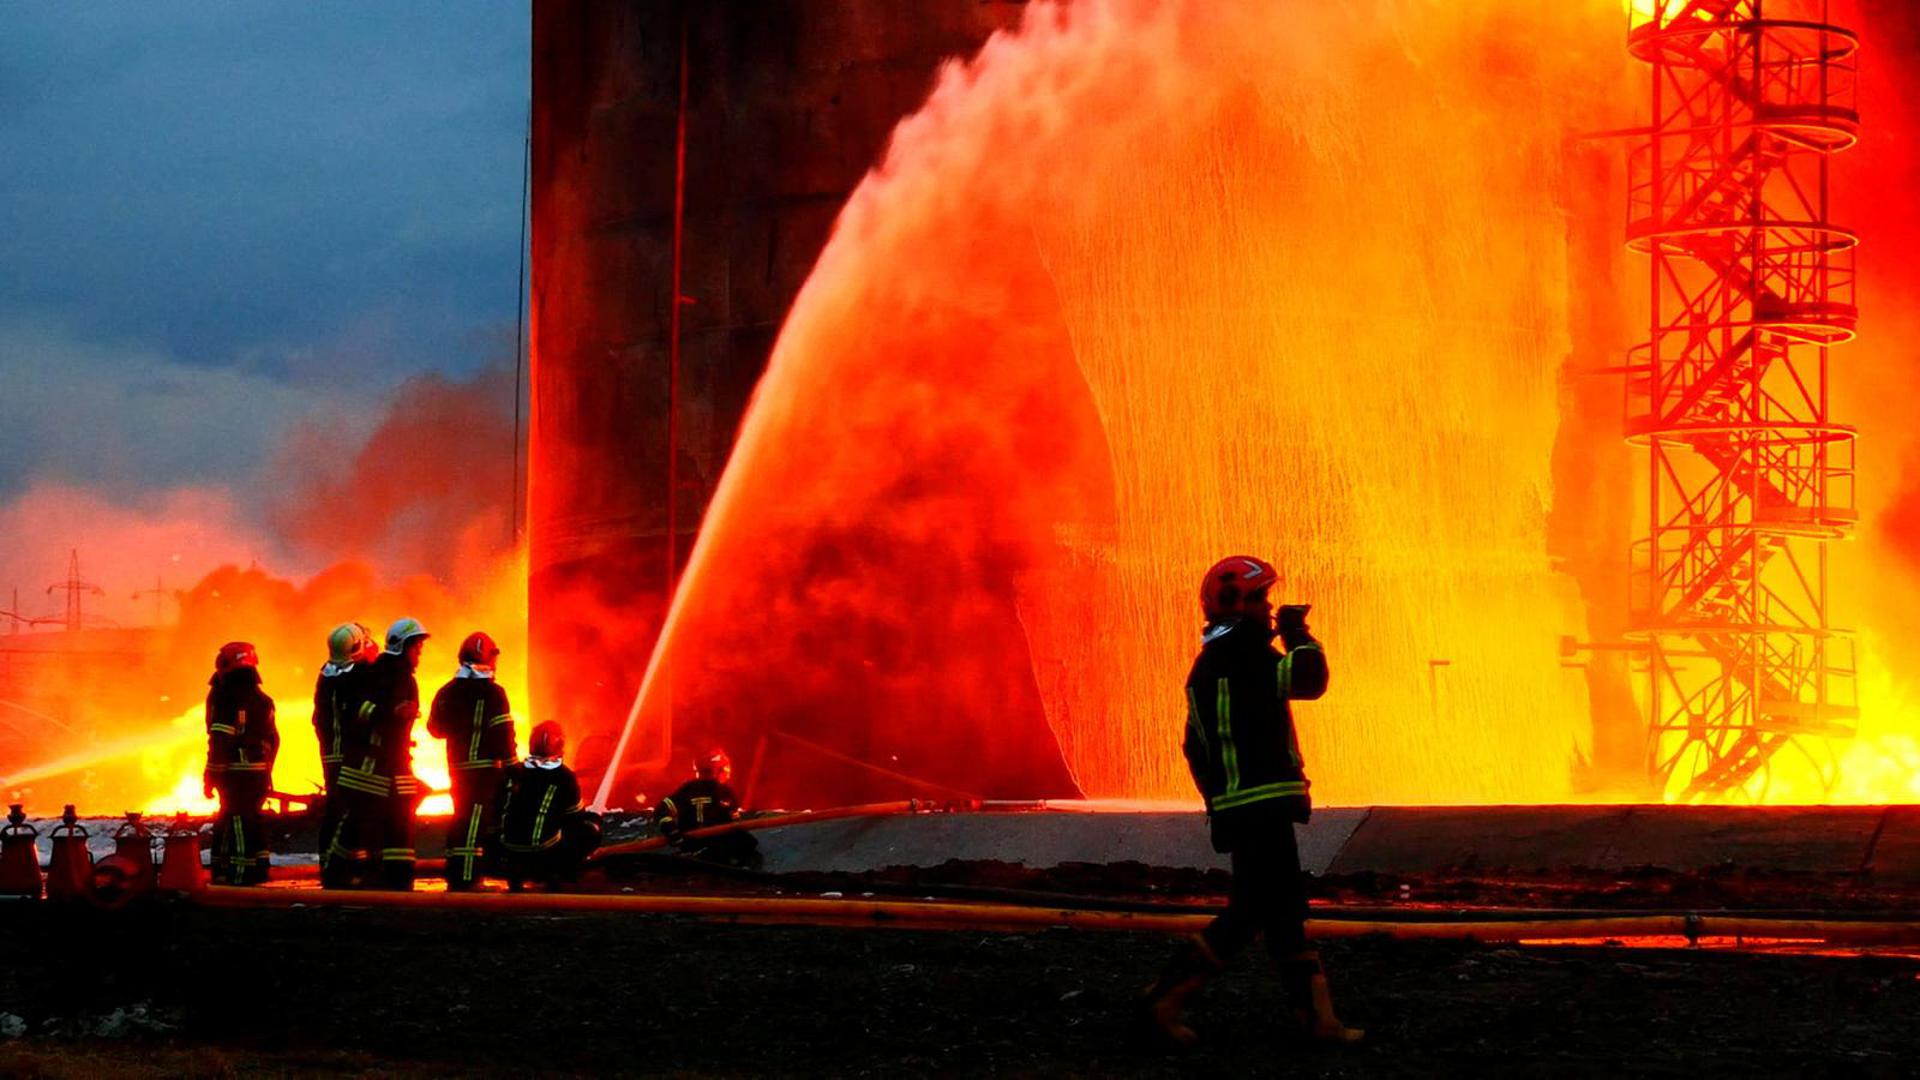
(1306, 981)
(1162, 1005)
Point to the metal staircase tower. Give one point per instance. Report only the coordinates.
(1748, 476)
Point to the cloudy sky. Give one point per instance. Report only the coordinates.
(216, 218)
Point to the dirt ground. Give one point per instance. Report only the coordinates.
(181, 990)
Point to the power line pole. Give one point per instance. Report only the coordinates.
(75, 588)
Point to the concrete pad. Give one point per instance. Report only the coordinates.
(1792, 839)
(1416, 840)
(1038, 840)
(1896, 852)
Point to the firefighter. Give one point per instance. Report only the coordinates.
(471, 713)
(378, 764)
(704, 801)
(351, 649)
(545, 831)
(1245, 758)
(242, 741)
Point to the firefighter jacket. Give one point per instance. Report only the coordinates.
(542, 795)
(378, 755)
(336, 703)
(1240, 743)
(242, 736)
(471, 713)
(696, 805)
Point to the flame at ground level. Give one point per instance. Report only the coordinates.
(150, 758)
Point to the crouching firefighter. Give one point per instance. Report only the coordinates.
(1245, 758)
(546, 833)
(471, 713)
(377, 771)
(704, 801)
(351, 649)
(242, 741)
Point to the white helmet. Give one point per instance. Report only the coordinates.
(403, 631)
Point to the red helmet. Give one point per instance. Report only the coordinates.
(713, 765)
(479, 650)
(548, 740)
(235, 654)
(1229, 583)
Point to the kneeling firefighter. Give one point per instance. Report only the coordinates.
(1245, 758)
(704, 801)
(471, 713)
(546, 833)
(377, 769)
(242, 741)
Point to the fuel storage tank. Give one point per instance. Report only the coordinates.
(741, 126)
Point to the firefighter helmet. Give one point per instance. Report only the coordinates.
(403, 631)
(714, 765)
(548, 740)
(1231, 580)
(479, 650)
(235, 654)
(348, 643)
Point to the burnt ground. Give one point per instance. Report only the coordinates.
(172, 990)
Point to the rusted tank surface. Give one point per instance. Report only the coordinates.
(788, 103)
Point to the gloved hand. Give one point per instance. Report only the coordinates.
(1292, 624)
(206, 784)
(408, 711)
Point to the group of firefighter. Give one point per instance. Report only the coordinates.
(522, 820)
(1240, 744)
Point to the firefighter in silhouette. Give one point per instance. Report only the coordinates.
(377, 769)
(546, 832)
(1245, 759)
(242, 741)
(351, 649)
(471, 713)
(704, 801)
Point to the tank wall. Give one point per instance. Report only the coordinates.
(790, 102)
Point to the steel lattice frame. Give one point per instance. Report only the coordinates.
(1748, 476)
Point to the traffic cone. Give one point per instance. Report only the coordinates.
(19, 859)
(133, 841)
(180, 869)
(127, 874)
(70, 875)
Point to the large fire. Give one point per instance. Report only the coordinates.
(1146, 283)
(1142, 284)
(150, 758)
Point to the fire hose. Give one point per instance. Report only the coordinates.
(774, 821)
(935, 915)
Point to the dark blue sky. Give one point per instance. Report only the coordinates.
(254, 206)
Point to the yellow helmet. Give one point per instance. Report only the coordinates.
(348, 643)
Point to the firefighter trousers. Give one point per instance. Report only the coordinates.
(239, 835)
(1268, 895)
(579, 838)
(476, 799)
(330, 810)
(376, 829)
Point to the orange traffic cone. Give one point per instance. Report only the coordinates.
(127, 874)
(19, 859)
(70, 874)
(180, 869)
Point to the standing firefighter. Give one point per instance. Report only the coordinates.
(472, 715)
(242, 741)
(351, 649)
(378, 764)
(704, 801)
(1245, 758)
(545, 831)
